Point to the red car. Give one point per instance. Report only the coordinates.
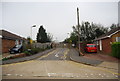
(91, 48)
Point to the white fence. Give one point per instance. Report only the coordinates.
(41, 45)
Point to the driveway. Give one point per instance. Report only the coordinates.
(102, 57)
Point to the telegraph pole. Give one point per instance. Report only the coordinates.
(78, 28)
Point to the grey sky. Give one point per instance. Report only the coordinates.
(56, 17)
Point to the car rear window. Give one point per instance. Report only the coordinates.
(91, 46)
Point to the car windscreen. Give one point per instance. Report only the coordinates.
(91, 46)
(17, 46)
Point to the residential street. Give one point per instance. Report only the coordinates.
(57, 64)
(62, 39)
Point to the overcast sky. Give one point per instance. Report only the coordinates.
(56, 17)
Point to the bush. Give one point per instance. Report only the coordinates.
(4, 59)
(116, 49)
(32, 51)
(27, 53)
(48, 47)
(35, 50)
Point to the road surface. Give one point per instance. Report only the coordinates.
(56, 65)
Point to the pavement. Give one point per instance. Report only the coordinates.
(102, 57)
(97, 60)
(26, 58)
(74, 56)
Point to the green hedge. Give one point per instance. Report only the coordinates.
(116, 49)
(33, 51)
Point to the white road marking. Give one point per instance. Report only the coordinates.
(56, 55)
(116, 76)
(91, 74)
(8, 74)
(48, 74)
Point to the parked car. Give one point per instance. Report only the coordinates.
(91, 48)
(16, 49)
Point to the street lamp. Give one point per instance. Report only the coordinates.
(31, 30)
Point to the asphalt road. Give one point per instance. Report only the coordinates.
(56, 65)
(58, 54)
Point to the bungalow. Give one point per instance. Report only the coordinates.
(9, 40)
(104, 42)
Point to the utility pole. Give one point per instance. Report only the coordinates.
(78, 28)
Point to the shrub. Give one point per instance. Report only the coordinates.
(27, 53)
(116, 49)
(35, 50)
(11, 57)
(48, 47)
(4, 59)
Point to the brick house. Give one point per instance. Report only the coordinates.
(9, 40)
(104, 42)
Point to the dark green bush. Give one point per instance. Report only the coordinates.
(116, 49)
(48, 47)
(35, 50)
(4, 59)
(27, 53)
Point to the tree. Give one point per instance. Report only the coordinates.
(49, 37)
(73, 38)
(42, 35)
(88, 32)
(114, 26)
(28, 40)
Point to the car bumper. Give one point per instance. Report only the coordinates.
(91, 50)
(13, 51)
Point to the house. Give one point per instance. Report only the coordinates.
(9, 40)
(104, 42)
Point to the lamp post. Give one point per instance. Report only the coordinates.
(31, 33)
(31, 30)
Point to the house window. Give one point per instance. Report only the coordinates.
(117, 39)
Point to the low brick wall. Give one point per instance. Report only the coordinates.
(7, 44)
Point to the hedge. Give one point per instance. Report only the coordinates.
(116, 49)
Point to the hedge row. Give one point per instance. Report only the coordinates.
(25, 53)
(116, 49)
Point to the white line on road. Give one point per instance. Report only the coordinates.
(56, 55)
